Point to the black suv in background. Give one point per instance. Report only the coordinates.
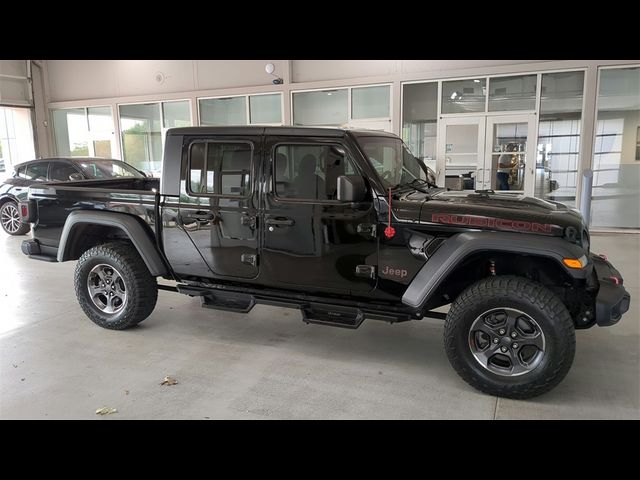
(14, 189)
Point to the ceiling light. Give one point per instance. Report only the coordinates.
(477, 81)
(454, 95)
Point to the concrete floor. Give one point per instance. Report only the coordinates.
(56, 364)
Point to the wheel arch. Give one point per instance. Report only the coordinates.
(8, 198)
(462, 260)
(85, 229)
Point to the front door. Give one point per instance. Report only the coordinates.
(509, 162)
(313, 241)
(487, 153)
(461, 153)
(217, 207)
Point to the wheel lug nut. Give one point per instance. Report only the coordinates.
(503, 349)
(514, 334)
(496, 340)
(501, 331)
(514, 345)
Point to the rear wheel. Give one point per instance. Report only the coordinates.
(11, 220)
(510, 337)
(114, 287)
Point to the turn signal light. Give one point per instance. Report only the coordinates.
(575, 262)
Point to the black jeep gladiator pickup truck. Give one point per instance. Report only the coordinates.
(344, 225)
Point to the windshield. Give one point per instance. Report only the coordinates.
(394, 162)
(108, 169)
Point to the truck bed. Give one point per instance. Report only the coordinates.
(55, 201)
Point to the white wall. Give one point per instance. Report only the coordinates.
(317, 70)
(90, 79)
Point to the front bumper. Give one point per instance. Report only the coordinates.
(612, 300)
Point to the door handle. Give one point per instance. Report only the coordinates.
(280, 221)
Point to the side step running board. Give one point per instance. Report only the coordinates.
(332, 315)
(312, 311)
(229, 301)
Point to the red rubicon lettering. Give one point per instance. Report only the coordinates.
(541, 227)
(490, 222)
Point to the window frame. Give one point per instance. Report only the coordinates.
(272, 181)
(187, 182)
(247, 108)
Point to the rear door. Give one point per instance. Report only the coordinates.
(217, 207)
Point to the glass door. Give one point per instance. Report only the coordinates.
(461, 148)
(509, 161)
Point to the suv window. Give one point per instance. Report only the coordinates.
(60, 171)
(220, 168)
(310, 171)
(37, 171)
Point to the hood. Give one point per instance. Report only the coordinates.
(490, 211)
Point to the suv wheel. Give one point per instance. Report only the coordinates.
(11, 220)
(114, 286)
(510, 337)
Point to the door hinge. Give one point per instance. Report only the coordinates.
(368, 271)
(249, 259)
(249, 220)
(367, 229)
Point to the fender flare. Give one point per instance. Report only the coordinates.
(460, 246)
(130, 225)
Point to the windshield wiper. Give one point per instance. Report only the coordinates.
(429, 184)
(409, 185)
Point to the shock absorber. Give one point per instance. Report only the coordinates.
(492, 267)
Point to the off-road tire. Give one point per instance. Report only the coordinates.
(534, 300)
(141, 286)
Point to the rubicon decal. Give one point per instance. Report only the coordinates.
(495, 223)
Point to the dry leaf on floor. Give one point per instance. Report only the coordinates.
(106, 411)
(126, 392)
(169, 381)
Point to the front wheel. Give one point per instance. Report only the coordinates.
(11, 220)
(510, 337)
(114, 287)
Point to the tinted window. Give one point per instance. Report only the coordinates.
(61, 171)
(37, 172)
(107, 169)
(220, 168)
(310, 171)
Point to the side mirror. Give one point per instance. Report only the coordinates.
(76, 176)
(351, 188)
